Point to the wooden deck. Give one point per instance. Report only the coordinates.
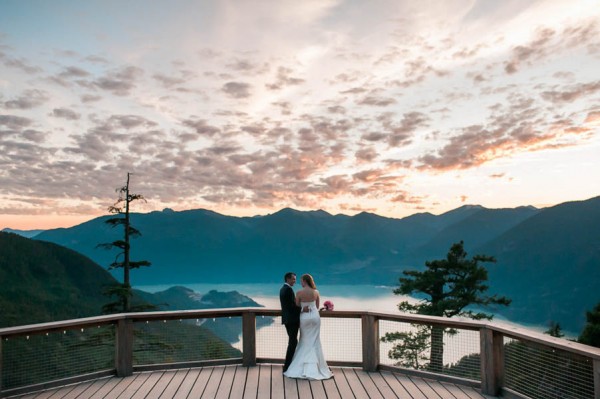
(262, 381)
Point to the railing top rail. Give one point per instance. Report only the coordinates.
(60, 325)
(467, 324)
(545, 339)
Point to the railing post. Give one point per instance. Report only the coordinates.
(124, 348)
(370, 342)
(249, 339)
(492, 361)
(596, 379)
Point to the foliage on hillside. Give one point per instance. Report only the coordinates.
(43, 282)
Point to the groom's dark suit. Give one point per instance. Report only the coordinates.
(290, 317)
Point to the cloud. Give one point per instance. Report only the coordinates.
(548, 42)
(90, 98)
(14, 122)
(376, 101)
(65, 113)
(20, 64)
(120, 82)
(31, 98)
(367, 154)
(405, 197)
(201, 127)
(572, 93)
(284, 106)
(74, 72)
(514, 129)
(237, 89)
(284, 79)
(401, 133)
(33, 135)
(130, 122)
(538, 48)
(336, 109)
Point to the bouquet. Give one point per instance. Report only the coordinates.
(327, 305)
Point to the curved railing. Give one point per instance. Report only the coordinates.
(500, 360)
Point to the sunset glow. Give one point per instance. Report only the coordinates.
(247, 107)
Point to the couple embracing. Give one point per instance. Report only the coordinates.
(300, 311)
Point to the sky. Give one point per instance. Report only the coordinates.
(247, 107)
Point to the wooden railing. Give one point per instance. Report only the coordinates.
(494, 342)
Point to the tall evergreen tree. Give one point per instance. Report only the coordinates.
(451, 287)
(123, 291)
(591, 331)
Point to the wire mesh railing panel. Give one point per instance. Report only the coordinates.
(45, 357)
(271, 337)
(175, 341)
(541, 372)
(341, 339)
(453, 352)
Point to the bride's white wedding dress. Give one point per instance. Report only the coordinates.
(308, 361)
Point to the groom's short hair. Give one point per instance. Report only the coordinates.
(288, 276)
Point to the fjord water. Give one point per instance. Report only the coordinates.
(344, 297)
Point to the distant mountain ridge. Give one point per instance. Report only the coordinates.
(23, 233)
(201, 246)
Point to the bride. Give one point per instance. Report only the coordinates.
(308, 361)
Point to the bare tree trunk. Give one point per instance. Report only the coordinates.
(126, 282)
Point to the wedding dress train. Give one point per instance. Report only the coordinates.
(308, 361)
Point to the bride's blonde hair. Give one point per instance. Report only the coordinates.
(307, 278)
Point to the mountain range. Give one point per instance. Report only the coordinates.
(548, 260)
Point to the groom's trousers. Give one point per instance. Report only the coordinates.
(292, 332)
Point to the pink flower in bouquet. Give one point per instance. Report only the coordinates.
(328, 305)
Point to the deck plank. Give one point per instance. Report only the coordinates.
(264, 382)
(395, 385)
(92, 388)
(184, 388)
(318, 390)
(226, 383)
(474, 393)
(212, 386)
(410, 387)
(357, 388)
(303, 388)
(104, 389)
(342, 383)
(291, 388)
(62, 392)
(200, 383)
(277, 383)
(123, 385)
(239, 383)
(175, 383)
(148, 385)
(424, 387)
(161, 385)
(331, 390)
(368, 384)
(133, 386)
(251, 383)
(455, 391)
(383, 386)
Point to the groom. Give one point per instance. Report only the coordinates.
(290, 316)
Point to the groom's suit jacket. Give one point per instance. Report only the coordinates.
(290, 313)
